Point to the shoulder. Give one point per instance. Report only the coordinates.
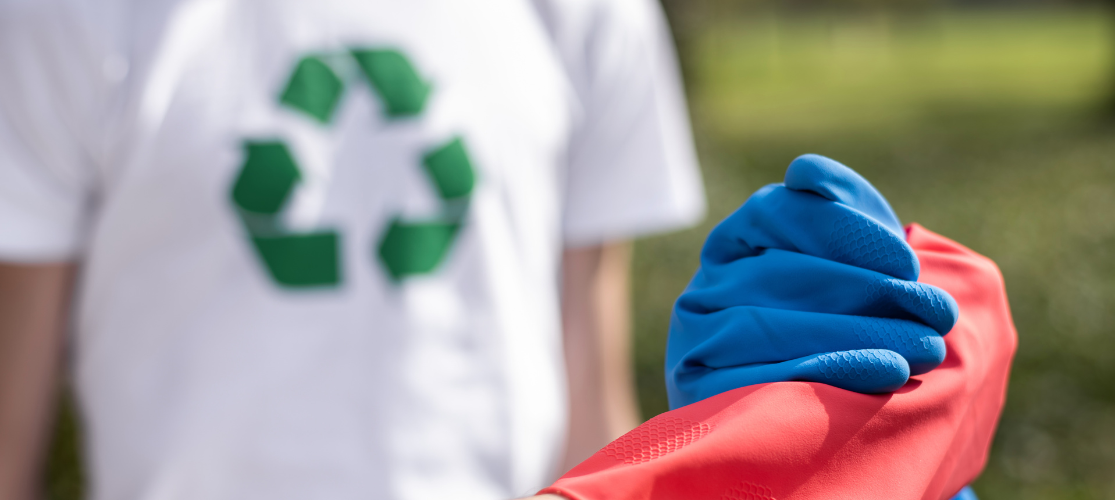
(579, 20)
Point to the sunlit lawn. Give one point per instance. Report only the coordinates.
(986, 126)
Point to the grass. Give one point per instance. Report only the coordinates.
(985, 126)
(775, 76)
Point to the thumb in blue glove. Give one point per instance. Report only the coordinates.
(810, 280)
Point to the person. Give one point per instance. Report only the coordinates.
(328, 249)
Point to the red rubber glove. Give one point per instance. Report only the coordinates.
(803, 440)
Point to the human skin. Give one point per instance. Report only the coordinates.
(34, 304)
(34, 301)
(596, 330)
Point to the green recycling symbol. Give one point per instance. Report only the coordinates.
(269, 174)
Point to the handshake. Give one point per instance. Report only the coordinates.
(814, 280)
(810, 280)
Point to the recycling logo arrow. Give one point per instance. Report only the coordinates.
(270, 173)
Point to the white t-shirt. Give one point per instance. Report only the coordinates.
(320, 240)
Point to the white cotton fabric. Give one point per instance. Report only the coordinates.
(122, 126)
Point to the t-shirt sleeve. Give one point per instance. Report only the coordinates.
(43, 166)
(631, 169)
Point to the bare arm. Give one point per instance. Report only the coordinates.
(596, 324)
(33, 304)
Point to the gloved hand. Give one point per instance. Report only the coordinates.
(810, 280)
(818, 442)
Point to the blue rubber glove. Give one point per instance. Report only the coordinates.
(966, 494)
(810, 280)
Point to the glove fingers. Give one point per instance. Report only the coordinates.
(832, 180)
(798, 221)
(865, 371)
(779, 279)
(747, 335)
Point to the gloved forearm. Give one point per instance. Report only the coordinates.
(802, 440)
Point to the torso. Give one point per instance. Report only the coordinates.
(205, 373)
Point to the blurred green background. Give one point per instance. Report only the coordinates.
(989, 123)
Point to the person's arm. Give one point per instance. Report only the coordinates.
(808, 440)
(596, 329)
(33, 304)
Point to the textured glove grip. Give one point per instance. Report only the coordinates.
(799, 440)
